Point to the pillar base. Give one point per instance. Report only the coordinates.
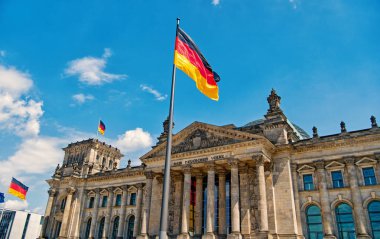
(183, 236)
(264, 235)
(209, 235)
(363, 236)
(143, 236)
(234, 235)
(329, 237)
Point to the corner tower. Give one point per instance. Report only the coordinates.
(88, 157)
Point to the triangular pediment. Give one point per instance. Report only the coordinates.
(306, 168)
(334, 164)
(366, 161)
(199, 136)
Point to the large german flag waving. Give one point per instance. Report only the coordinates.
(189, 59)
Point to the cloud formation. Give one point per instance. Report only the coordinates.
(16, 204)
(154, 92)
(90, 70)
(215, 2)
(81, 98)
(2, 53)
(134, 140)
(18, 114)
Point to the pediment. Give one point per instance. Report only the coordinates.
(132, 189)
(366, 161)
(334, 164)
(305, 168)
(118, 190)
(201, 136)
(104, 192)
(91, 193)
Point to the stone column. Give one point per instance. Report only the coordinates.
(186, 203)
(209, 232)
(324, 199)
(77, 213)
(198, 204)
(107, 222)
(49, 206)
(263, 225)
(297, 199)
(66, 213)
(360, 219)
(222, 202)
(145, 212)
(136, 228)
(235, 208)
(245, 204)
(95, 214)
(120, 230)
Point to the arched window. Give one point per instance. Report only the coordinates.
(88, 227)
(345, 221)
(101, 227)
(314, 222)
(110, 164)
(104, 162)
(131, 224)
(374, 217)
(115, 228)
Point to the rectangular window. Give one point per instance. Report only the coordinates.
(308, 184)
(133, 199)
(337, 179)
(118, 200)
(91, 202)
(104, 201)
(369, 176)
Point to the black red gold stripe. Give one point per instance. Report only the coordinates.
(190, 60)
(18, 189)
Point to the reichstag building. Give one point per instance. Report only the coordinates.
(266, 179)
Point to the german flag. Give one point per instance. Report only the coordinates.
(101, 127)
(189, 59)
(18, 189)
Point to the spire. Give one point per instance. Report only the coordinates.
(164, 134)
(274, 102)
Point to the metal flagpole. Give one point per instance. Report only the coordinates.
(165, 191)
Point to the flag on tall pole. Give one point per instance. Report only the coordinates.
(101, 127)
(18, 189)
(189, 59)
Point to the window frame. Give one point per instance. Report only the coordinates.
(312, 182)
(364, 177)
(342, 178)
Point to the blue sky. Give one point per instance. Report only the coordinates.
(65, 64)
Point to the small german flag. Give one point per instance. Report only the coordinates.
(189, 59)
(18, 189)
(101, 127)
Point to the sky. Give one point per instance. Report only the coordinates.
(66, 64)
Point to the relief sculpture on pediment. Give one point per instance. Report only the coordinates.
(200, 139)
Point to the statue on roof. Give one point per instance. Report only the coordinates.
(274, 102)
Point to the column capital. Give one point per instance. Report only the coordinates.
(70, 190)
(198, 174)
(159, 177)
(319, 164)
(124, 187)
(176, 176)
(139, 186)
(221, 171)
(96, 190)
(210, 166)
(260, 160)
(186, 169)
(268, 167)
(52, 192)
(149, 174)
(349, 160)
(234, 163)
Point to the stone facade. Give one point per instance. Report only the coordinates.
(267, 179)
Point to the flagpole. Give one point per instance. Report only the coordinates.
(165, 191)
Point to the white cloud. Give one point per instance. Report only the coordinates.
(16, 204)
(215, 2)
(134, 140)
(34, 156)
(81, 98)
(91, 69)
(18, 114)
(2, 53)
(154, 92)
